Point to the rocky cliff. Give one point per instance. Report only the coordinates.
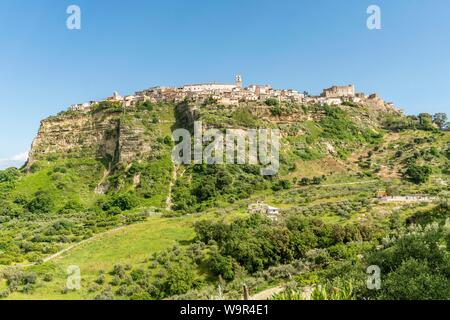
(120, 135)
(111, 135)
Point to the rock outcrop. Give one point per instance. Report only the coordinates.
(113, 136)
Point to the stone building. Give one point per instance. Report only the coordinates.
(339, 91)
(115, 97)
(238, 81)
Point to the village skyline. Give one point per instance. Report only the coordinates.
(228, 94)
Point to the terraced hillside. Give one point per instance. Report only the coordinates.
(101, 192)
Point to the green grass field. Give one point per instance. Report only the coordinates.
(128, 245)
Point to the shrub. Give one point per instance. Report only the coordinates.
(114, 211)
(305, 181)
(71, 206)
(179, 279)
(222, 266)
(124, 201)
(415, 280)
(15, 279)
(41, 203)
(8, 175)
(275, 111)
(418, 174)
(106, 294)
(48, 277)
(272, 102)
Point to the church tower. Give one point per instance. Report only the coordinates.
(239, 81)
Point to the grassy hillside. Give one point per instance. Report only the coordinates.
(140, 228)
(131, 245)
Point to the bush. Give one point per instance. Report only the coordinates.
(272, 102)
(124, 202)
(179, 279)
(9, 175)
(282, 184)
(71, 206)
(16, 279)
(275, 111)
(222, 266)
(415, 280)
(41, 203)
(114, 211)
(418, 174)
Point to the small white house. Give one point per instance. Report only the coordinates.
(262, 208)
(272, 211)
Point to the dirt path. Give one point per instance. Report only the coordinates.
(408, 199)
(69, 248)
(348, 183)
(266, 294)
(169, 202)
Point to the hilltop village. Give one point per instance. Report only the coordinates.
(233, 94)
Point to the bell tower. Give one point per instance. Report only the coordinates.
(238, 81)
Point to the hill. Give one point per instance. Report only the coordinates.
(110, 166)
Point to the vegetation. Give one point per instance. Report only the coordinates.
(418, 174)
(146, 229)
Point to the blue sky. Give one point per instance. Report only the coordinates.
(134, 44)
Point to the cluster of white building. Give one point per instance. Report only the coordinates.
(232, 94)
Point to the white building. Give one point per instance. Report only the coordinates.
(262, 208)
(208, 87)
(259, 89)
(214, 87)
(272, 211)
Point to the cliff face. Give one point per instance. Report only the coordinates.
(80, 133)
(113, 136)
(118, 135)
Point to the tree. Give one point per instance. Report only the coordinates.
(222, 266)
(9, 174)
(41, 203)
(418, 174)
(305, 181)
(275, 111)
(440, 119)
(415, 280)
(426, 121)
(271, 102)
(124, 201)
(179, 280)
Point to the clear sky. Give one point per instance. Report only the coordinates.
(134, 44)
